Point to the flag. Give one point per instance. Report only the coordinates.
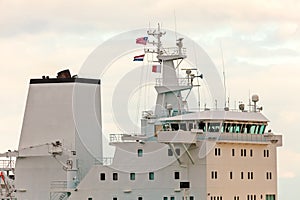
(139, 58)
(156, 68)
(141, 40)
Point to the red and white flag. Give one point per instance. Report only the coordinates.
(141, 40)
(156, 68)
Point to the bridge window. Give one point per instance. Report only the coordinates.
(183, 126)
(238, 128)
(262, 129)
(213, 127)
(201, 125)
(253, 128)
(191, 126)
(175, 127)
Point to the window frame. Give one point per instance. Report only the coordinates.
(140, 152)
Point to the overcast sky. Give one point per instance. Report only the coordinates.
(260, 39)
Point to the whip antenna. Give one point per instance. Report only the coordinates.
(224, 77)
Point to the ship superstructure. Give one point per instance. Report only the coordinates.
(212, 154)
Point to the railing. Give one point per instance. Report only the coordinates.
(172, 51)
(116, 137)
(59, 195)
(7, 164)
(58, 185)
(4, 195)
(104, 161)
(181, 82)
(241, 137)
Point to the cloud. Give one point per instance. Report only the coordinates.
(260, 39)
(289, 163)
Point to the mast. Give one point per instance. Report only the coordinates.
(168, 87)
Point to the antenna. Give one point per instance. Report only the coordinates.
(223, 71)
(175, 24)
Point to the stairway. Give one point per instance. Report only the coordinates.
(59, 195)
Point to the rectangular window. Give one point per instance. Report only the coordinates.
(140, 198)
(115, 176)
(232, 152)
(183, 126)
(249, 175)
(191, 126)
(214, 174)
(132, 176)
(251, 152)
(217, 151)
(177, 151)
(170, 152)
(165, 198)
(115, 198)
(191, 197)
(270, 197)
(90, 198)
(266, 153)
(243, 152)
(269, 175)
(140, 152)
(176, 175)
(213, 127)
(230, 175)
(242, 175)
(151, 175)
(172, 198)
(102, 176)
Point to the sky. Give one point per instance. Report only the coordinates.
(260, 41)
